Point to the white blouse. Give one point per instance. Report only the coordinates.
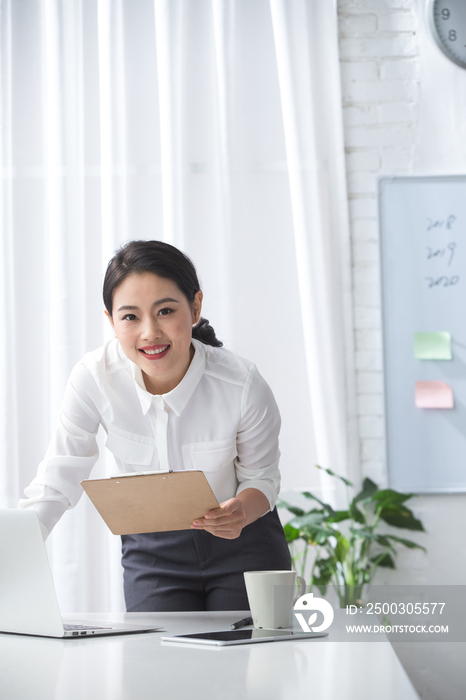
(222, 418)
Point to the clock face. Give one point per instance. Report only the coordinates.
(447, 21)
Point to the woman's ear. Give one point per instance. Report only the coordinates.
(109, 318)
(197, 306)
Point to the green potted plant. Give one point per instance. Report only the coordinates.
(349, 543)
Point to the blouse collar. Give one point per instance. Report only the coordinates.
(178, 397)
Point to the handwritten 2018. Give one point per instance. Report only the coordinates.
(440, 223)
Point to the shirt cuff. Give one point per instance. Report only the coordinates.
(49, 510)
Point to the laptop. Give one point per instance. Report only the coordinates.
(28, 602)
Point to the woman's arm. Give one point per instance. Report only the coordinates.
(256, 464)
(71, 454)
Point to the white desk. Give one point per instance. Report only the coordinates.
(140, 667)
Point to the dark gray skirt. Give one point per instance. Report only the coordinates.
(194, 570)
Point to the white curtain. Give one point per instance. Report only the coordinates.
(214, 125)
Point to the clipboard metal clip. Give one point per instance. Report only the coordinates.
(122, 475)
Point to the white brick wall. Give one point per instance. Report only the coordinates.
(404, 106)
(380, 88)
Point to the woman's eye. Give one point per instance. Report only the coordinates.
(165, 312)
(129, 317)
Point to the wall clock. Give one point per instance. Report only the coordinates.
(447, 22)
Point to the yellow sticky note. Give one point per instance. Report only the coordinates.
(432, 346)
(433, 395)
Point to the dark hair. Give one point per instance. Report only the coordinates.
(164, 260)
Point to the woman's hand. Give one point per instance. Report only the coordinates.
(234, 514)
(226, 521)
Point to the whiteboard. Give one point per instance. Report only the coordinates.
(422, 222)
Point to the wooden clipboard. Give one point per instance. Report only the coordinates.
(155, 502)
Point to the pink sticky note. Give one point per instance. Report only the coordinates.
(434, 395)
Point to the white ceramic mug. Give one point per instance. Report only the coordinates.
(271, 596)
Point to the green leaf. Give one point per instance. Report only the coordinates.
(385, 560)
(382, 540)
(364, 533)
(391, 497)
(321, 581)
(342, 478)
(293, 509)
(369, 488)
(326, 506)
(315, 535)
(356, 514)
(341, 549)
(400, 516)
(313, 519)
(325, 565)
(291, 533)
(312, 527)
(407, 543)
(326, 569)
(338, 516)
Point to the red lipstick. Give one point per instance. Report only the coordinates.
(152, 352)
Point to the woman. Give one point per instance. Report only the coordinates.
(169, 396)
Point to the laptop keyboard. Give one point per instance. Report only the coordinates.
(84, 627)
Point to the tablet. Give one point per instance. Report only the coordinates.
(224, 638)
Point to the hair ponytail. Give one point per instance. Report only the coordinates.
(204, 332)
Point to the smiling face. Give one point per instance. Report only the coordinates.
(152, 320)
